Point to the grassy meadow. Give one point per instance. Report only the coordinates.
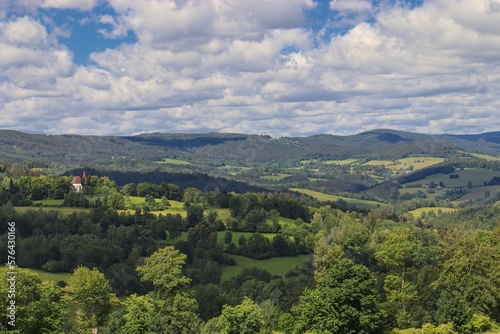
(403, 164)
(417, 212)
(276, 266)
(360, 203)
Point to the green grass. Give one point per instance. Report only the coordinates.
(275, 177)
(417, 212)
(237, 235)
(62, 210)
(174, 162)
(476, 176)
(276, 265)
(360, 203)
(478, 193)
(55, 277)
(432, 195)
(485, 157)
(341, 162)
(403, 164)
(49, 202)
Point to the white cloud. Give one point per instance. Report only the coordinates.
(351, 6)
(83, 5)
(251, 66)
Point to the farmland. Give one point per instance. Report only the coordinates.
(403, 164)
(360, 203)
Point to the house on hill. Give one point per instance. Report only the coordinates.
(77, 183)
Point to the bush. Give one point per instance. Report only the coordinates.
(478, 324)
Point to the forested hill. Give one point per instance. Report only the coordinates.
(221, 148)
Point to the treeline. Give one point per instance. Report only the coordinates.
(369, 275)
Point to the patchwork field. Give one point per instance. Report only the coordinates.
(360, 203)
(403, 164)
(276, 266)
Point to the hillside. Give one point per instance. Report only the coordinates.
(226, 149)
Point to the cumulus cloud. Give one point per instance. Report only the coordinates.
(83, 5)
(256, 66)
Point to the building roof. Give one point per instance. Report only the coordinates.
(77, 180)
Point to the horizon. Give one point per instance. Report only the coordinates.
(283, 68)
(253, 134)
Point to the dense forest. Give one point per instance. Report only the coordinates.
(149, 257)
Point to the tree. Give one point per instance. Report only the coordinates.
(173, 309)
(396, 252)
(245, 318)
(164, 269)
(345, 301)
(39, 308)
(90, 291)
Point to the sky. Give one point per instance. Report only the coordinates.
(275, 67)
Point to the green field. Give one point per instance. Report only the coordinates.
(62, 210)
(174, 162)
(49, 202)
(360, 203)
(437, 192)
(417, 212)
(276, 265)
(55, 277)
(479, 193)
(275, 177)
(340, 162)
(485, 157)
(476, 176)
(403, 164)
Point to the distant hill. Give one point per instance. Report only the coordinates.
(215, 149)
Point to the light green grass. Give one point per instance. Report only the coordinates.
(476, 176)
(403, 164)
(62, 210)
(276, 265)
(417, 212)
(174, 162)
(55, 277)
(50, 202)
(276, 177)
(360, 203)
(341, 162)
(238, 235)
(485, 157)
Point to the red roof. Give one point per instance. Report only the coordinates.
(77, 180)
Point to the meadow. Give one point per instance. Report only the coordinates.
(275, 177)
(417, 212)
(359, 203)
(403, 164)
(276, 265)
(477, 177)
(341, 162)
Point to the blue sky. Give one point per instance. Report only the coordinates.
(278, 67)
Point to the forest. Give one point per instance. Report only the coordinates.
(150, 258)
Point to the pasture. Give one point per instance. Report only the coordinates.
(359, 203)
(276, 265)
(479, 193)
(476, 176)
(417, 212)
(341, 162)
(55, 277)
(275, 177)
(403, 164)
(170, 161)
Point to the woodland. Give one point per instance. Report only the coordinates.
(399, 246)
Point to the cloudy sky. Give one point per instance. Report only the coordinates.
(278, 67)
